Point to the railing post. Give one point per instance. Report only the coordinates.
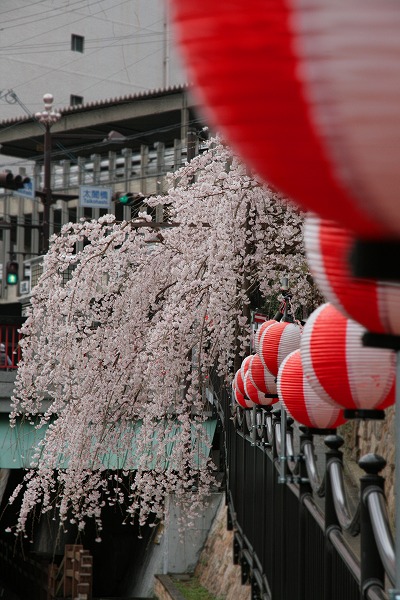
(372, 570)
(305, 490)
(334, 442)
(276, 422)
(266, 419)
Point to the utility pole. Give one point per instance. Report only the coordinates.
(48, 117)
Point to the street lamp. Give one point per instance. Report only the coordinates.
(47, 117)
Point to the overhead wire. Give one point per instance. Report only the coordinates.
(65, 46)
(62, 11)
(113, 40)
(62, 67)
(18, 8)
(95, 145)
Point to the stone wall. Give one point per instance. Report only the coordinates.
(215, 569)
(378, 437)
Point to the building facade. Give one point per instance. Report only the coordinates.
(112, 68)
(126, 144)
(83, 51)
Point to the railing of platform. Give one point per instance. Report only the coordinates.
(303, 538)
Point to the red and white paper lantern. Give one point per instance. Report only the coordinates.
(245, 366)
(264, 396)
(252, 392)
(239, 392)
(339, 368)
(276, 343)
(262, 379)
(374, 304)
(309, 94)
(260, 332)
(300, 399)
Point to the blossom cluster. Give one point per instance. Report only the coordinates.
(124, 326)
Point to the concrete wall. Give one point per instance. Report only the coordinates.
(215, 569)
(172, 551)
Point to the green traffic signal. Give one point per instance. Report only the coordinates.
(12, 273)
(125, 199)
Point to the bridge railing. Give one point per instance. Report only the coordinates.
(297, 533)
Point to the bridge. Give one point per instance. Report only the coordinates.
(124, 561)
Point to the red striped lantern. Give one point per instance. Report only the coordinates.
(277, 342)
(260, 332)
(238, 395)
(309, 94)
(340, 369)
(238, 382)
(301, 401)
(261, 378)
(245, 366)
(374, 304)
(253, 392)
(242, 400)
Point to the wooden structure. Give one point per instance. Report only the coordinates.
(72, 579)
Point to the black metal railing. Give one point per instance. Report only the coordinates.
(296, 533)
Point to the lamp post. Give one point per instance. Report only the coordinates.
(47, 117)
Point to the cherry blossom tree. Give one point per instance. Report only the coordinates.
(122, 334)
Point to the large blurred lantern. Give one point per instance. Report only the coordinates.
(340, 369)
(277, 341)
(309, 94)
(374, 304)
(301, 401)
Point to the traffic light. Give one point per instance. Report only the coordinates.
(12, 272)
(127, 198)
(9, 181)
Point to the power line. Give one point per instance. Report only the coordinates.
(95, 145)
(62, 11)
(71, 62)
(131, 39)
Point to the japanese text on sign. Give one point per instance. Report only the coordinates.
(94, 197)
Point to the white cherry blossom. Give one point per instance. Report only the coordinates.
(122, 350)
